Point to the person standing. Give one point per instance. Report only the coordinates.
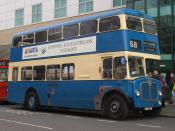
(162, 80)
(157, 75)
(171, 84)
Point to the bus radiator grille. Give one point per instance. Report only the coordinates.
(149, 91)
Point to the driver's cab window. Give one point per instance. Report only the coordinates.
(119, 68)
(151, 65)
(136, 66)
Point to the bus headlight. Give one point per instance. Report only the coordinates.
(159, 93)
(160, 103)
(137, 93)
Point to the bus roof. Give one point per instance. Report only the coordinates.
(90, 17)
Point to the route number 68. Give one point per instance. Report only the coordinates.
(133, 44)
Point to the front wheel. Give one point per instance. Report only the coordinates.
(32, 101)
(116, 107)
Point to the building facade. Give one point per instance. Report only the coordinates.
(20, 15)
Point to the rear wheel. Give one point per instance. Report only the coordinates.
(116, 107)
(32, 101)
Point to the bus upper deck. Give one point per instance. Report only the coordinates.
(117, 30)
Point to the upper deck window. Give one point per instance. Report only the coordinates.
(28, 39)
(41, 36)
(149, 27)
(55, 34)
(70, 31)
(17, 41)
(109, 24)
(134, 23)
(88, 27)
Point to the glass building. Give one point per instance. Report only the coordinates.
(163, 12)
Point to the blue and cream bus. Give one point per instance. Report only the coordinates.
(95, 62)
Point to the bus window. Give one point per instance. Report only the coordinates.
(17, 41)
(55, 34)
(26, 73)
(109, 24)
(134, 23)
(151, 65)
(53, 72)
(3, 74)
(68, 71)
(136, 66)
(107, 68)
(41, 36)
(119, 68)
(39, 72)
(15, 74)
(88, 27)
(149, 27)
(70, 31)
(28, 39)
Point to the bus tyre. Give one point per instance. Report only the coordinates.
(32, 101)
(154, 112)
(116, 107)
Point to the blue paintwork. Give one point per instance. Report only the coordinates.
(81, 94)
(138, 102)
(72, 94)
(106, 42)
(76, 94)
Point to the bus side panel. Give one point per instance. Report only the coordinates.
(16, 92)
(68, 94)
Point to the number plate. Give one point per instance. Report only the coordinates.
(148, 108)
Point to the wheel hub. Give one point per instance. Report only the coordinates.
(31, 101)
(115, 106)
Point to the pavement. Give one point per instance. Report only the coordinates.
(168, 111)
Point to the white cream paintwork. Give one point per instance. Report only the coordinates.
(87, 67)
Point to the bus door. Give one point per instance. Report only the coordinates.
(51, 93)
(107, 68)
(53, 76)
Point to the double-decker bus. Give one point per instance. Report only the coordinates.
(95, 62)
(3, 79)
